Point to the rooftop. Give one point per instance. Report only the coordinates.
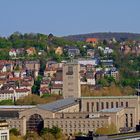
(16, 106)
(110, 97)
(112, 110)
(58, 105)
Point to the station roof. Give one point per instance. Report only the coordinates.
(109, 97)
(112, 110)
(16, 106)
(58, 105)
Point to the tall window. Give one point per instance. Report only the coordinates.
(70, 70)
(102, 105)
(87, 106)
(97, 106)
(122, 104)
(126, 104)
(112, 105)
(117, 105)
(92, 107)
(131, 120)
(107, 105)
(126, 118)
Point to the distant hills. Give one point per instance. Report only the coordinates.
(102, 36)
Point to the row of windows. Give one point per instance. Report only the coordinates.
(131, 120)
(77, 125)
(74, 122)
(104, 105)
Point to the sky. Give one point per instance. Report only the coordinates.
(68, 17)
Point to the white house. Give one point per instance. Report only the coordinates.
(13, 94)
(107, 50)
(19, 93)
(12, 53)
(88, 62)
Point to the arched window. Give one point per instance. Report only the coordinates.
(35, 123)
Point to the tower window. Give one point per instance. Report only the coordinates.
(70, 70)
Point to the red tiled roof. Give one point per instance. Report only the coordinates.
(13, 50)
(6, 91)
(44, 90)
(22, 90)
(15, 79)
(3, 73)
(6, 62)
(25, 84)
(93, 40)
(1, 67)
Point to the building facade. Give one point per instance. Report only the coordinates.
(74, 113)
(4, 131)
(71, 80)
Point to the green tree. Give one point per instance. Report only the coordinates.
(32, 136)
(4, 55)
(6, 102)
(48, 136)
(15, 132)
(55, 131)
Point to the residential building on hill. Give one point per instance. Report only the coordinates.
(74, 113)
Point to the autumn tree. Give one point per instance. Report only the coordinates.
(107, 129)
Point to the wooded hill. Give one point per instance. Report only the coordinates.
(105, 35)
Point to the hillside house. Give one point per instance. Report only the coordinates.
(13, 53)
(92, 40)
(59, 51)
(31, 51)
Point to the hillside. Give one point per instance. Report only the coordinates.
(102, 36)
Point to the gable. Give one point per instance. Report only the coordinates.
(44, 113)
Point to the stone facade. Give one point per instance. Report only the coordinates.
(71, 80)
(4, 131)
(74, 113)
(130, 104)
(91, 113)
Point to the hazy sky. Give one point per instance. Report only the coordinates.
(65, 17)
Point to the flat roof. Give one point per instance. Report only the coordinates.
(58, 105)
(112, 109)
(15, 106)
(109, 97)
